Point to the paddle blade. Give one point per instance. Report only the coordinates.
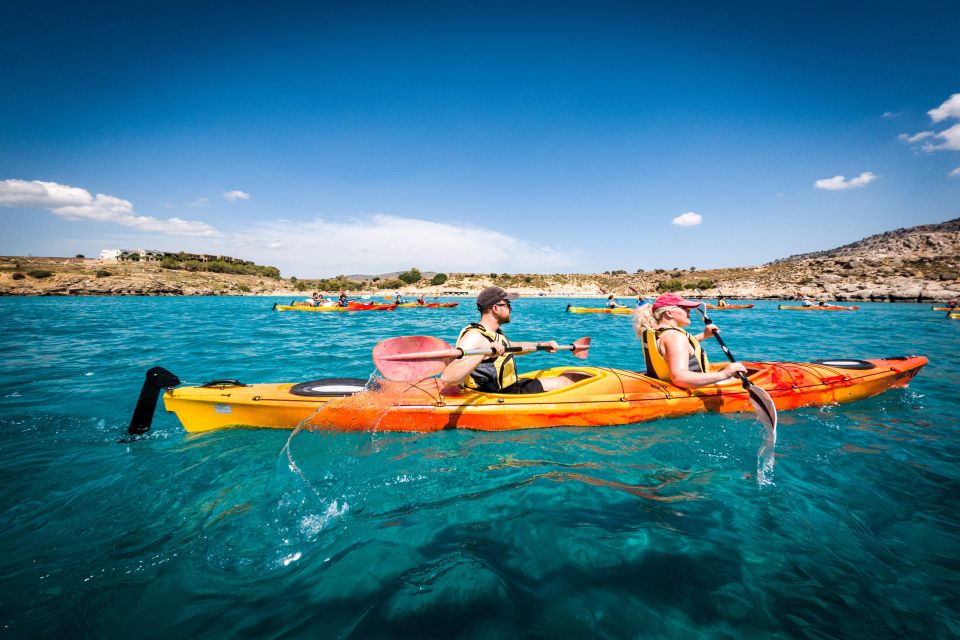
(763, 405)
(388, 356)
(581, 348)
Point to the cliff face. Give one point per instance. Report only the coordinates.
(896, 265)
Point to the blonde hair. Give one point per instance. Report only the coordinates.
(646, 317)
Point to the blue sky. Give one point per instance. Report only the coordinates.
(453, 136)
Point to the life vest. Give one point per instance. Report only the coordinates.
(657, 366)
(493, 374)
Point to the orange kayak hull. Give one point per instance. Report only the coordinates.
(599, 397)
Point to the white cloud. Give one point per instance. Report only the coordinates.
(955, 173)
(235, 195)
(890, 115)
(72, 203)
(949, 109)
(382, 243)
(199, 202)
(917, 137)
(839, 183)
(688, 219)
(950, 137)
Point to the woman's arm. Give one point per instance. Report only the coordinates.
(676, 351)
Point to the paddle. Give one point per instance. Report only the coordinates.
(414, 358)
(759, 398)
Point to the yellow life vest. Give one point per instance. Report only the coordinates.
(493, 374)
(657, 366)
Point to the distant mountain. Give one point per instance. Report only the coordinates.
(924, 240)
(360, 277)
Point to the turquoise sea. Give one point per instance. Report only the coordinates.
(654, 530)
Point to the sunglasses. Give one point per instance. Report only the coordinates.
(505, 303)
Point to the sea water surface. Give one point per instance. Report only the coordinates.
(653, 530)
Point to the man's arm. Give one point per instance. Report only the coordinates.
(458, 370)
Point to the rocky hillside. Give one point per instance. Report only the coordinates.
(897, 265)
(78, 276)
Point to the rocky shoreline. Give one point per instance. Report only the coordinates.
(916, 264)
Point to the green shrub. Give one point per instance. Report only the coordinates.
(438, 279)
(18, 276)
(80, 255)
(670, 285)
(411, 276)
(103, 273)
(393, 283)
(243, 288)
(493, 276)
(39, 274)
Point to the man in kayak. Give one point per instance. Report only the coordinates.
(672, 354)
(495, 373)
(398, 299)
(343, 302)
(421, 301)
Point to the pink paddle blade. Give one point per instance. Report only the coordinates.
(581, 348)
(411, 358)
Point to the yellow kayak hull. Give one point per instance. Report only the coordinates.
(617, 311)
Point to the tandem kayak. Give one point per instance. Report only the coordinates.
(428, 305)
(829, 307)
(617, 311)
(599, 397)
(353, 306)
(730, 306)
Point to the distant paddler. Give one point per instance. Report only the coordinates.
(613, 303)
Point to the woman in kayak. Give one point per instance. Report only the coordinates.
(612, 302)
(670, 352)
(721, 301)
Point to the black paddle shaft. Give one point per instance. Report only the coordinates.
(740, 374)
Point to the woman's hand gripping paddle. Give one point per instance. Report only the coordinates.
(759, 398)
(414, 358)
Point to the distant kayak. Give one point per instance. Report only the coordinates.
(353, 306)
(428, 305)
(945, 308)
(730, 306)
(829, 307)
(954, 315)
(617, 311)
